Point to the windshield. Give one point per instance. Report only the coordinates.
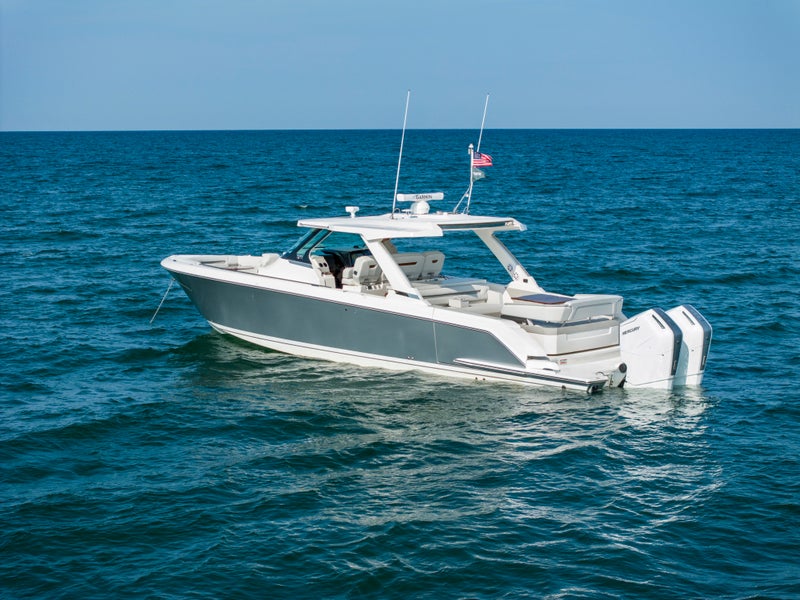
(322, 241)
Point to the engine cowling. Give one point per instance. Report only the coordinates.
(694, 348)
(650, 346)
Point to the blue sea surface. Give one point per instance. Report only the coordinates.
(164, 460)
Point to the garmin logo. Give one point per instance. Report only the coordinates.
(420, 197)
(631, 330)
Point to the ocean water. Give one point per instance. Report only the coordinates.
(164, 460)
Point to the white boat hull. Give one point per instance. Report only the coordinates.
(392, 332)
(572, 342)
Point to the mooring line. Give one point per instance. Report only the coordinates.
(162, 300)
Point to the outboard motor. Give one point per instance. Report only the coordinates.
(696, 342)
(650, 345)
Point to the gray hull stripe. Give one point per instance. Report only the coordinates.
(331, 324)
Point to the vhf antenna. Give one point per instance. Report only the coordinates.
(400, 158)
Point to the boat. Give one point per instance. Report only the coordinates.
(374, 290)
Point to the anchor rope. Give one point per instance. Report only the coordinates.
(169, 287)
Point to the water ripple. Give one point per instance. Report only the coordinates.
(165, 460)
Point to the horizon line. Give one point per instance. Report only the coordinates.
(368, 129)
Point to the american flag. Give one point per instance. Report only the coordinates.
(481, 160)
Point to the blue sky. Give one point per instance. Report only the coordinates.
(340, 64)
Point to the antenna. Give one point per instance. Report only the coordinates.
(400, 158)
(480, 135)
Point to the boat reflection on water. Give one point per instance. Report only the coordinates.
(678, 407)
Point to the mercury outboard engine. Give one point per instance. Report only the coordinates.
(650, 345)
(665, 349)
(694, 348)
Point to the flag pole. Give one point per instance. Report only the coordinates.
(471, 154)
(471, 181)
(400, 158)
(472, 151)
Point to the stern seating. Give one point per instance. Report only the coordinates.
(547, 308)
(566, 324)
